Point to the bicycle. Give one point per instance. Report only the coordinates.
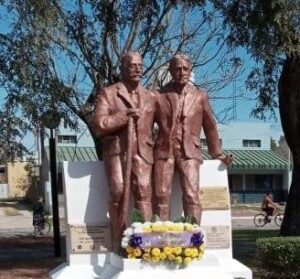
(260, 219)
(43, 227)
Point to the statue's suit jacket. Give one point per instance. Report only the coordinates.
(196, 113)
(111, 120)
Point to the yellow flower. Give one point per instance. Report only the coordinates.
(147, 229)
(200, 256)
(131, 256)
(156, 228)
(171, 257)
(187, 252)
(167, 250)
(178, 260)
(155, 259)
(146, 256)
(194, 252)
(177, 227)
(164, 228)
(129, 250)
(155, 252)
(177, 251)
(163, 256)
(187, 260)
(201, 248)
(188, 227)
(137, 252)
(147, 250)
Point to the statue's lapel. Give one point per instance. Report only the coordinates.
(124, 95)
(190, 99)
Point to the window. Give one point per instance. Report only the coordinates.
(259, 182)
(264, 182)
(235, 182)
(2, 170)
(65, 124)
(251, 143)
(66, 139)
(203, 143)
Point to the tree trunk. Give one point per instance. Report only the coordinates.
(289, 107)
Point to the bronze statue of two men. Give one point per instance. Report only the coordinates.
(124, 116)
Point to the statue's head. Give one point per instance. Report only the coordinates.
(180, 67)
(131, 67)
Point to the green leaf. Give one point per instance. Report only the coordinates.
(137, 216)
(155, 218)
(179, 219)
(191, 219)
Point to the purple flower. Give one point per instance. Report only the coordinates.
(197, 239)
(135, 240)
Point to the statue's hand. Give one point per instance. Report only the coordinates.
(226, 158)
(134, 112)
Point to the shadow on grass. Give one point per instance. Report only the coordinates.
(244, 246)
(17, 205)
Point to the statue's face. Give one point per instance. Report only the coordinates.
(133, 70)
(181, 72)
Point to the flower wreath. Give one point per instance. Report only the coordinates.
(168, 242)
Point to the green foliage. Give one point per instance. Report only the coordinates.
(280, 256)
(137, 216)
(58, 54)
(179, 219)
(155, 218)
(13, 129)
(270, 31)
(190, 219)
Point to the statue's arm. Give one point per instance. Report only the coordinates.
(105, 122)
(210, 129)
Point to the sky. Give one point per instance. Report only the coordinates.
(243, 105)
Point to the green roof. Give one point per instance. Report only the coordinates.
(69, 153)
(243, 159)
(255, 160)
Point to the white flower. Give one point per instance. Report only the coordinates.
(128, 232)
(138, 230)
(124, 242)
(196, 228)
(168, 223)
(136, 225)
(147, 224)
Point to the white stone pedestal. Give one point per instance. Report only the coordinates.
(86, 195)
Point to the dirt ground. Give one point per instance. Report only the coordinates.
(27, 257)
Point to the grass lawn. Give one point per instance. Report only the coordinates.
(244, 246)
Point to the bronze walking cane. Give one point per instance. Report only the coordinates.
(123, 213)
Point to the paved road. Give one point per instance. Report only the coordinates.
(246, 222)
(10, 225)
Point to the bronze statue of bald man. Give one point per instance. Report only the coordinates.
(115, 105)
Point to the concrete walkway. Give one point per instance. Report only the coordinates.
(23, 223)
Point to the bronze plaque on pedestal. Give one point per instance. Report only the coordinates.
(215, 197)
(90, 239)
(217, 237)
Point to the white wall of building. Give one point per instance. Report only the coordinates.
(233, 134)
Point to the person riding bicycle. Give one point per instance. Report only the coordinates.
(38, 216)
(268, 206)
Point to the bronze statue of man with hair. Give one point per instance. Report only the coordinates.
(182, 111)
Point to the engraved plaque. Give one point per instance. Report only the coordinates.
(212, 198)
(217, 237)
(90, 239)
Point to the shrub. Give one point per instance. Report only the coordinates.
(279, 256)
